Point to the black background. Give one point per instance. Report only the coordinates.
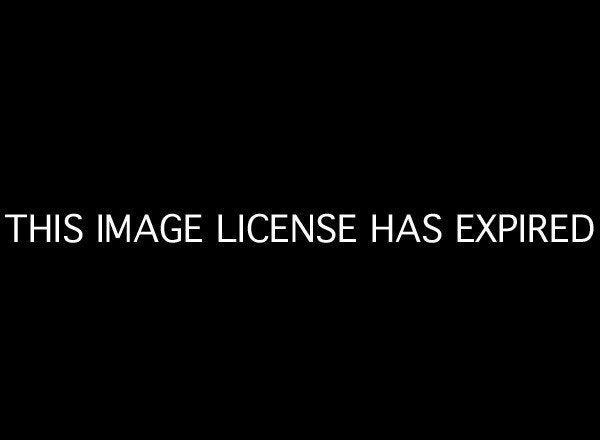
(386, 112)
